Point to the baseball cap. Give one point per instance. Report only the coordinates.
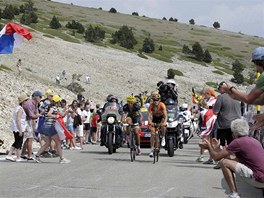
(258, 54)
(37, 93)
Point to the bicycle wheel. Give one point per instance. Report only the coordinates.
(154, 155)
(157, 155)
(132, 148)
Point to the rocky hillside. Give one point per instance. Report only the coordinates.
(112, 72)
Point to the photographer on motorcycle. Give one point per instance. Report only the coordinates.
(157, 114)
(132, 114)
(111, 101)
(168, 90)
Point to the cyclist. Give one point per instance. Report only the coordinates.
(157, 113)
(132, 113)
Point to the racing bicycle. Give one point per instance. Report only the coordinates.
(132, 141)
(156, 142)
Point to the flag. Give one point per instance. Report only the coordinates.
(11, 36)
(62, 129)
(208, 121)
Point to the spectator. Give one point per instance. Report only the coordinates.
(207, 119)
(64, 74)
(79, 129)
(48, 129)
(18, 127)
(87, 79)
(227, 110)
(249, 162)
(93, 120)
(18, 65)
(86, 114)
(31, 109)
(58, 79)
(99, 124)
(253, 97)
(70, 123)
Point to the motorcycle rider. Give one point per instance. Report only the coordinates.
(132, 114)
(168, 90)
(157, 114)
(110, 100)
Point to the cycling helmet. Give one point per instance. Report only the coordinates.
(56, 98)
(131, 99)
(155, 95)
(171, 81)
(258, 54)
(169, 101)
(48, 92)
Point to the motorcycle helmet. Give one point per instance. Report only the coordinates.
(184, 107)
(113, 99)
(56, 98)
(155, 95)
(130, 99)
(171, 81)
(160, 83)
(258, 54)
(169, 101)
(108, 97)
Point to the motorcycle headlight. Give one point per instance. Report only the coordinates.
(110, 120)
(181, 119)
(171, 119)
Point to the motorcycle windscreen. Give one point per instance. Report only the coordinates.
(111, 108)
(172, 112)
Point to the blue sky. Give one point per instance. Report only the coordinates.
(245, 16)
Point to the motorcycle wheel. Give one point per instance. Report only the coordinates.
(185, 138)
(170, 148)
(110, 143)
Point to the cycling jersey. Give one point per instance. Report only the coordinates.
(157, 111)
(134, 112)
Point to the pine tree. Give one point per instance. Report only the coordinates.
(197, 50)
(207, 56)
(54, 23)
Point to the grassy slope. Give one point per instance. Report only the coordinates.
(224, 46)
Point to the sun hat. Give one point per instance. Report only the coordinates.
(258, 54)
(37, 93)
(22, 98)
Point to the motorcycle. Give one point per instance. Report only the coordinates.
(111, 129)
(174, 128)
(189, 125)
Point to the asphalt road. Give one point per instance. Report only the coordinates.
(94, 173)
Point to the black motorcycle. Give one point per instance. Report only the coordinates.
(111, 132)
(174, 128)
